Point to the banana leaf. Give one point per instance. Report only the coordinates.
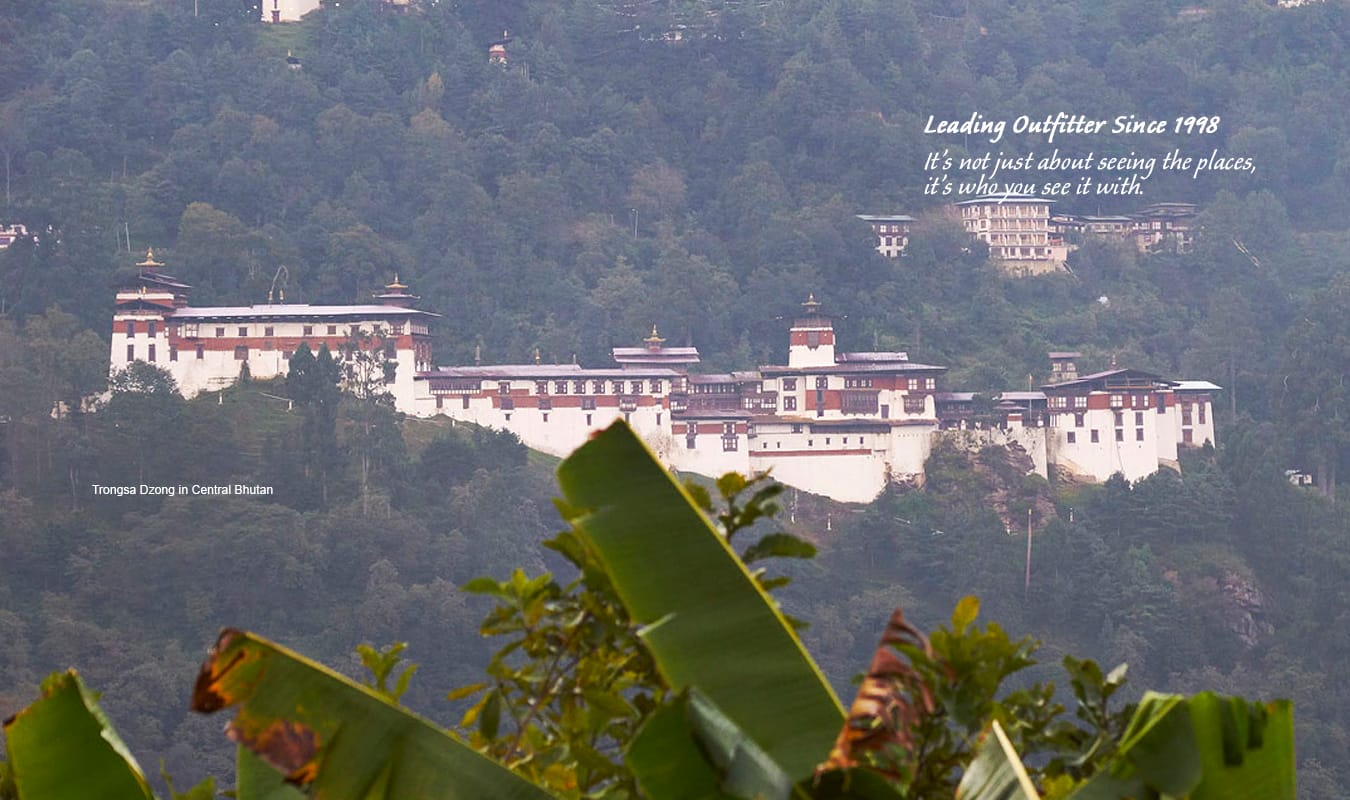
(996, 772)
(707, 623)
(335, 737)
(62, 746)
(1207, 747)
(1246, 749)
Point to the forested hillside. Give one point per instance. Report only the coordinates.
(608, 178)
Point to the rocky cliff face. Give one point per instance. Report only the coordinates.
(1244, 609)
(1230, 598)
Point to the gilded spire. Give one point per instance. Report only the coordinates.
(150, 262)
(654, 341)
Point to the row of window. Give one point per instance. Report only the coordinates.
(544, 403)
(579, 387)
(191, 330)
(812, 442)
(1095, 436)
(240, 353)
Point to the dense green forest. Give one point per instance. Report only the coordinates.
(606, 179)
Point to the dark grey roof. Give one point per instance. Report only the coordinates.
(297, 311)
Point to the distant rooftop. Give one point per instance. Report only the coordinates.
(844, 358)
(297, 310)
(1006, 198)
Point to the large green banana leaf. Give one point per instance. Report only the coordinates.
(708, 624)
(338, 738)
(1246, 749)
(996, 772)
(1207, 747)
(62, 746)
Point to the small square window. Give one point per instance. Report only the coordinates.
(1139, 434)
(332, 330)
(308, 330)
(220, 333)
(269, 331)
(1120, 434)
(1072, 437)
(241, 353)
(243, 330)
(1095, 436)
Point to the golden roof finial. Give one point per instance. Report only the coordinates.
(149, 262)
(395, 284)
(654, 341)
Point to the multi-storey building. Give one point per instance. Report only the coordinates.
(840, 424)
(207, 348)
(1017, 230)
(1165, 226)
(892, 232)
(1125, 420)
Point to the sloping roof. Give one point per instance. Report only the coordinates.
(845, 358)
(1005, 198)
(884, 217)
(1195, 386)
(297, 311)
(1105, 378)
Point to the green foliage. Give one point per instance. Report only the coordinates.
(382, 664)
(63, 746)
